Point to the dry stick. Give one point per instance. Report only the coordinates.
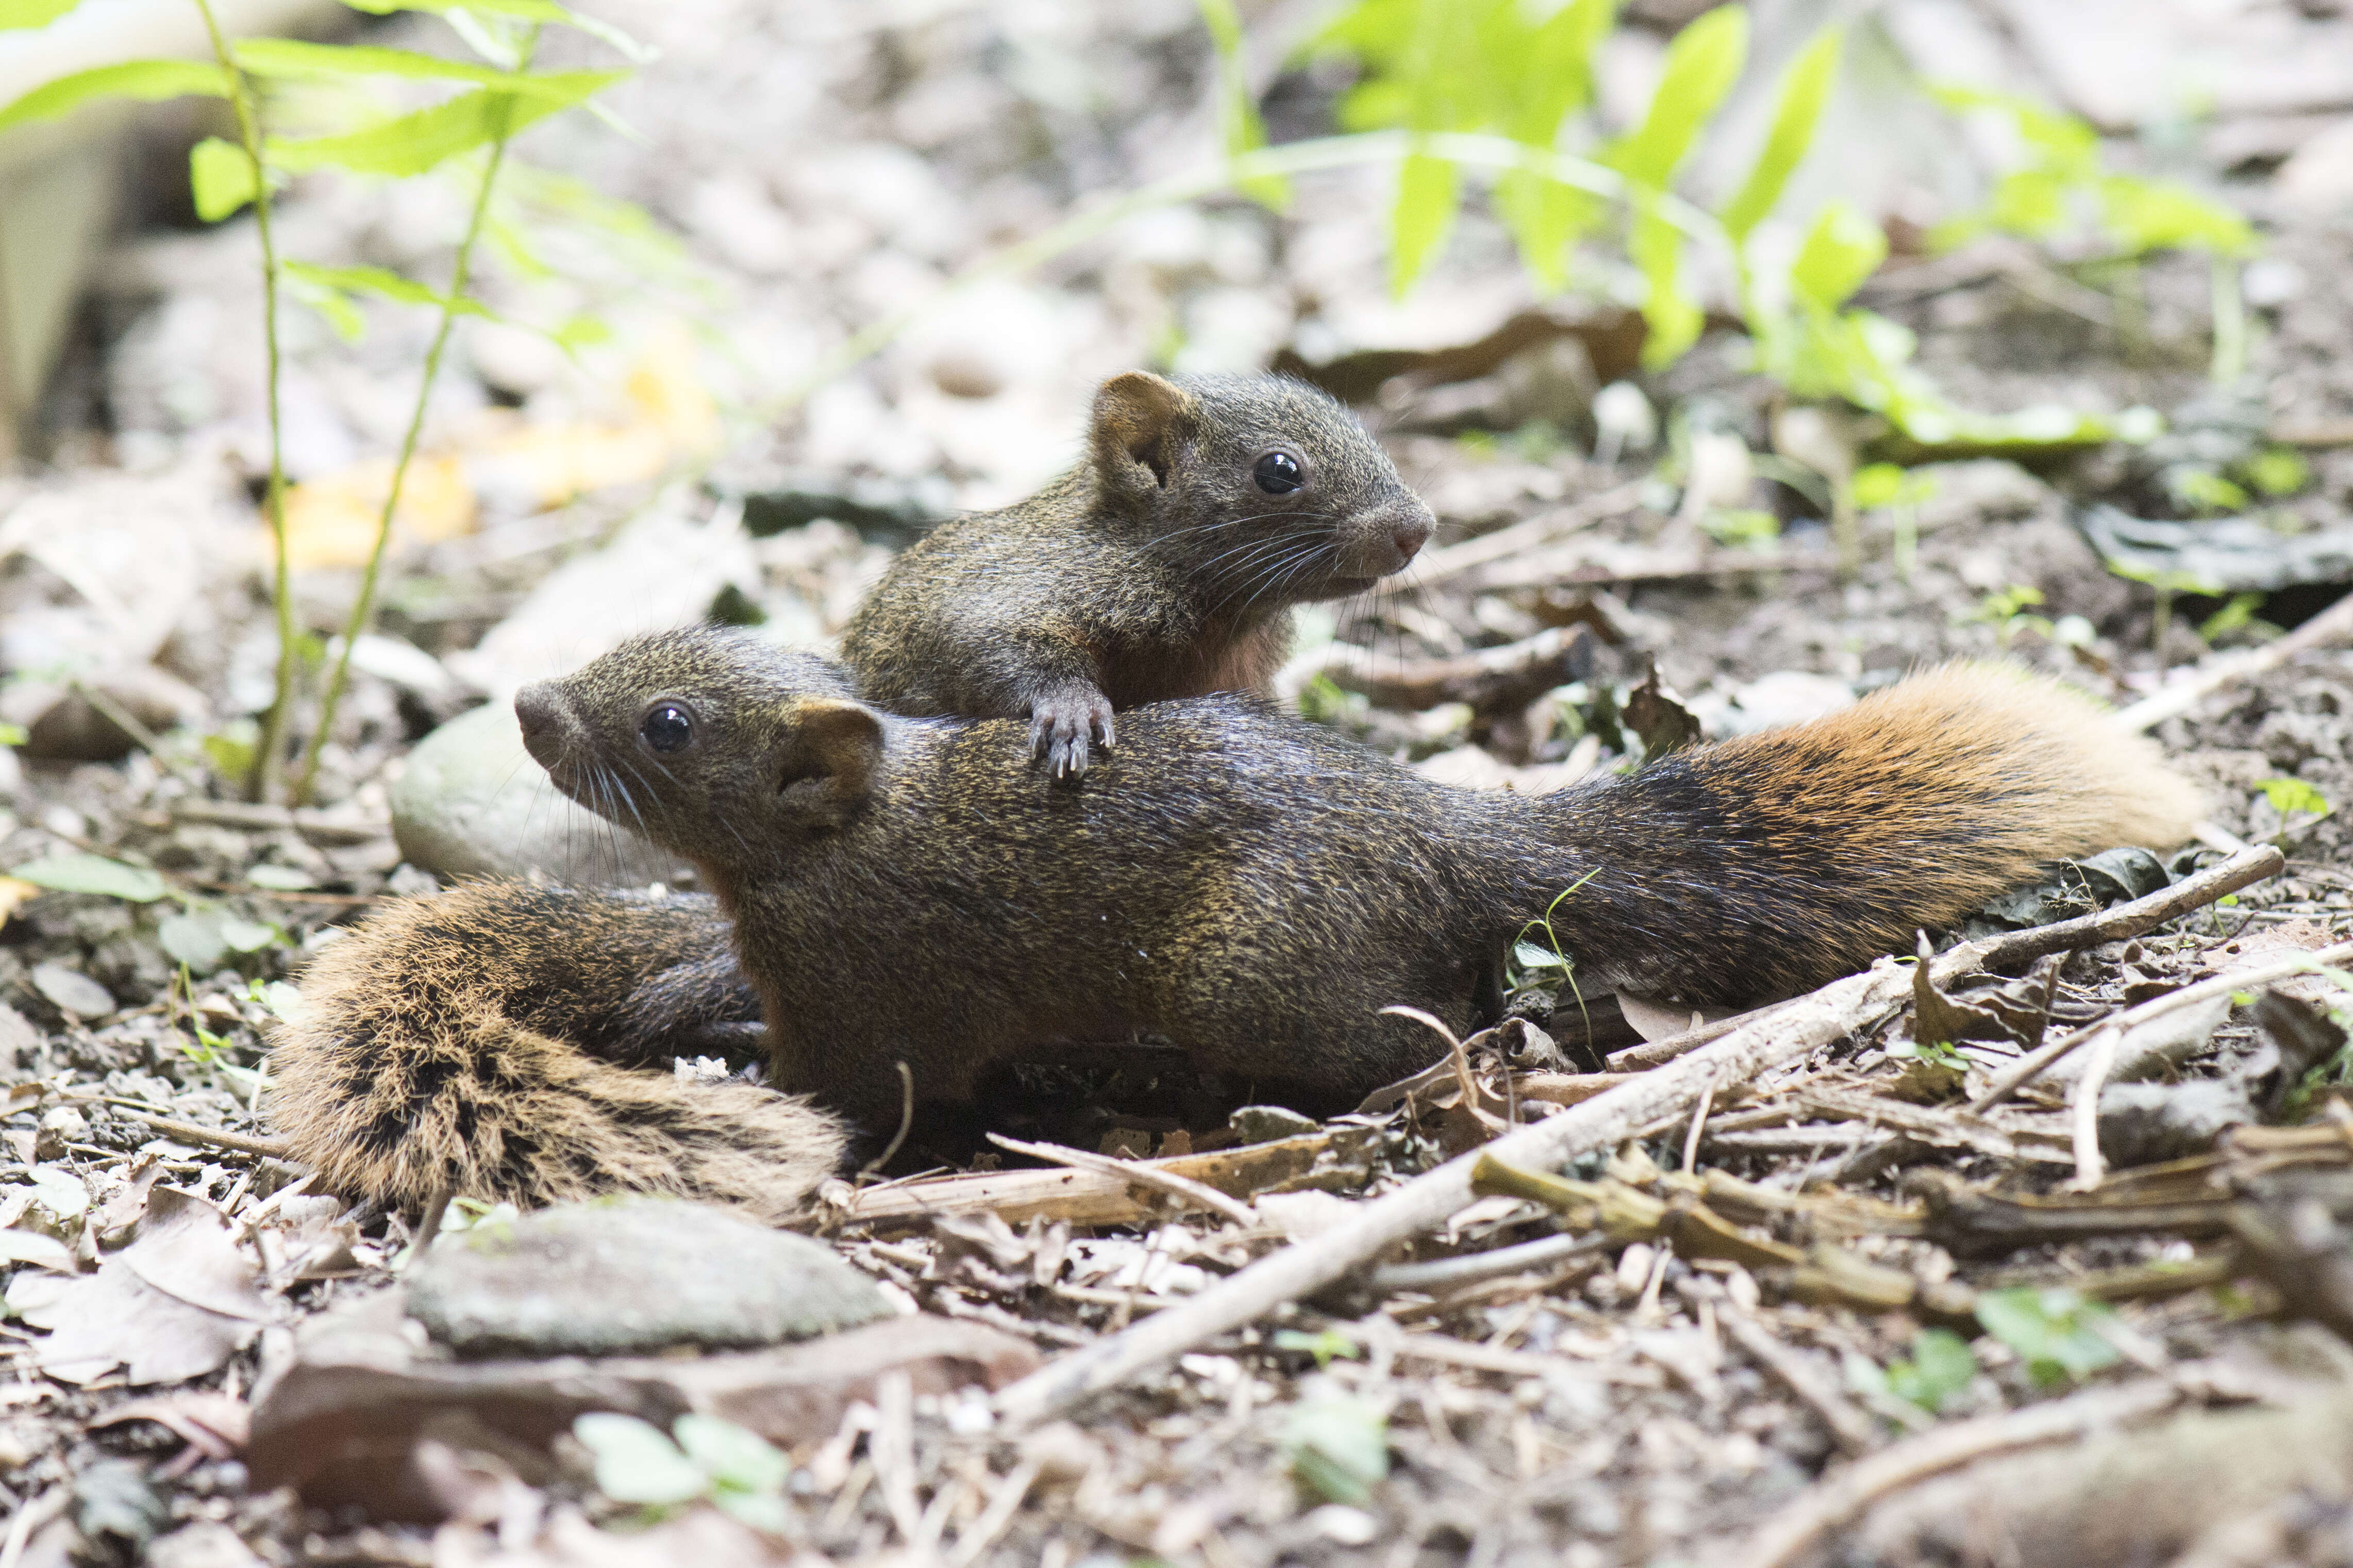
(189, 1133)
(1199, 1194)
(1821, 1019)
(2089, 1167)
(1769, 1039)
(1004, 1502)
(2127, 921)
(2028, 1067)
(1470, 1267)
(1837, 1498)
(1856, 1433)
(32, 1516)
(2334, 623)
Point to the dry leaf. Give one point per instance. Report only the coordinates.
(174, 1304)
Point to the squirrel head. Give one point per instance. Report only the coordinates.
(1267, 487)
(719, 748)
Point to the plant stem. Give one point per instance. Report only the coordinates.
(2230, 361)
(267, 760)
(364, 608)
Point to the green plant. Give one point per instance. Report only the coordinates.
(2011, 611)
(2288, 797)
(489, 103)
(711, 1461)
(1941, 1365)
(1325, 1345)
(1337, 1445)
(2056, 1333)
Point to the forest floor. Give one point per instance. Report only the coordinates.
(1828, 1307)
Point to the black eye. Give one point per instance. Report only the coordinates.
(668, 728)
(1279, 474)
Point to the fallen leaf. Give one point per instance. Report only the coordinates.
(74, 993)
(141, 1310)
(214, 1424)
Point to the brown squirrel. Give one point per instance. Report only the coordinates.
(1243, 883)
(1165, 565)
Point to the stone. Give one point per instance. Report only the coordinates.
(473, 803)
(622, 1276)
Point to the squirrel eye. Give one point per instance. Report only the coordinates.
(668, 728)
(1279, 474)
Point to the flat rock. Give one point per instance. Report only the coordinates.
(621, 1276)
(471, 803)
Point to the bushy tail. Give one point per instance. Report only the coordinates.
(433, 1055)
(1769, 864)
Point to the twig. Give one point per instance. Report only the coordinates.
(1004, 1502)
(907, 1122)
(2135, 919)
(189, 1133)
(2028, 1067)
(1838, 1497)
(1794, 1032)
(2333, 624)
(1195, 1193)
(30, 1518)
(1446, 1273)
(2097, 1065)
(1854, 1431)
(892, 1447)
(1698, 1124)
(1651, 1053)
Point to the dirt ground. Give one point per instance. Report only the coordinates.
(1651, 1396)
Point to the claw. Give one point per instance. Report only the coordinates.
(1063, 725)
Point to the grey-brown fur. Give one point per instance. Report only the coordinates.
(1155, 568)
(1255, 889)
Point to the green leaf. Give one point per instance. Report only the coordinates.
(1702, 64)
(15, 15)
(2152, 214)
(1338, 1446)
(413, 143)
(2055, 1331)
(1669, 311)
(527, 10)
(1941, 1366)
(148, 81)
(1530, 955)
(1840, 250)
(635, 1463)
(284, 1002)
(1241, 127)
(292, 60)
(2288, 797)
(1805, 87)
(14, 734)
(220, 178)
(78, 873)
(281, 879)
(383, 284)
(731, 1455)
(1418, 222)
(1325, 1345)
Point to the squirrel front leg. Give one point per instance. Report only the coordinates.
(1050, 678)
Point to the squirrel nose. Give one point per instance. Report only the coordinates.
(1410, 536)
(535, 710)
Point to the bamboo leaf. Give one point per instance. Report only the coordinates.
(412, 144)
(220, 178)
(1702, 64)
(382, 283)
(15, 15)
(1805, 87)
(1840, 250)
(1674, 317)
(292, 60)
(1418, 222)
(150, 81)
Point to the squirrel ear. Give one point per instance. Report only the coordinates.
(1137, 419)
(838, 749)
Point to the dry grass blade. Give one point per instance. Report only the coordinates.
(1168, 1182)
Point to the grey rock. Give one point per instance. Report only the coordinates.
(619, 1276)
(1265, 1123)
(471, 803)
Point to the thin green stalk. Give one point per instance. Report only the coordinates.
(267, 760)
(364, 605)
(2230, 361)
(1465, 149)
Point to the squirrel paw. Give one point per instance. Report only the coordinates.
(1061, 725)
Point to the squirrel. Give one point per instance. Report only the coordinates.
(1245, 884)
(1164, 565)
